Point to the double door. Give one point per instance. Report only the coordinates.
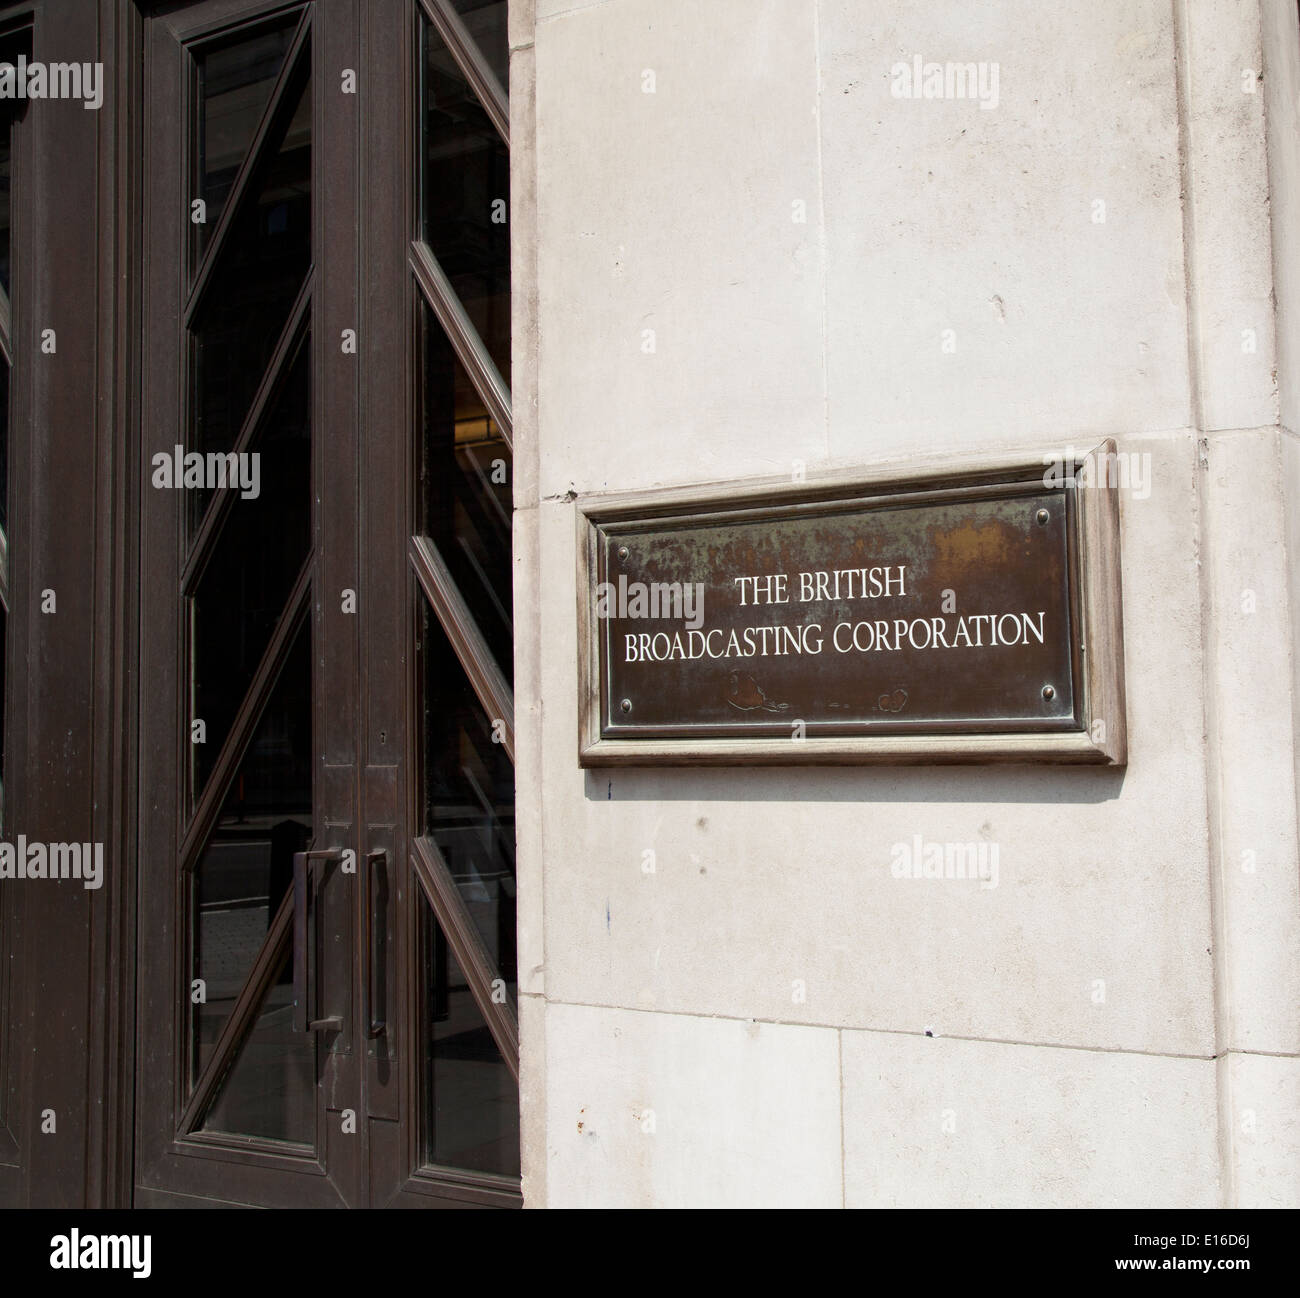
(326, 1011)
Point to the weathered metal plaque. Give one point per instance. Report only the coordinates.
(949, 612)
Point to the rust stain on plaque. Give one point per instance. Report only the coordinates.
(968, 544)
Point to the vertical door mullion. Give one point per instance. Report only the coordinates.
(336, 632)
(386, 468)
(161, 1013)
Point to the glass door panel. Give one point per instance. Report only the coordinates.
(327, 815)
(473, 1097)
(463, 845)
(244, 826)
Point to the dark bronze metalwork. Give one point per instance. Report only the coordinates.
(372, 938)
(97, 699)
(926, 612)
(303, 998)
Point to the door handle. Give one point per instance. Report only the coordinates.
(372, 917)
(303, 1000)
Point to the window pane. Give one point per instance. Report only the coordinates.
(466, 494)
(8, 116)
(4, 631)
(4, 447)
(270, 1089)
(260, 274)
(464, 505)
(235, 85)
(486, 22)
(247, 865)
(257, 558)
(472, 1102)
(6, 182)
(469, 786)
(466, 199)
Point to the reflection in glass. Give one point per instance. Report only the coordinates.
(270, 1090)
(469, 790)
(472, 1114)
(466, 199)
(247, 865)
(4, 631)
(6, 182)
(485, 20)
(260, 274)
(8, 53)
(234, 88)
(466, 494)
(258, 556)
(4, 447)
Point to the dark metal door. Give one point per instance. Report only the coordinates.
(326, 1010)
(248, 1070)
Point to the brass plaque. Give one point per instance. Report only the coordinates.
(916, 612)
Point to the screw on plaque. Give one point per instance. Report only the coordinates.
(626, 705)
(1049, 692)
(622, 552)
(1041, 517)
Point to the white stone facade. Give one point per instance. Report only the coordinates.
(739, 254)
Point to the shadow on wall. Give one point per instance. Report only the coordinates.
(1018, 784)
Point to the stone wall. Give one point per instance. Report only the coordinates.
(739, 252)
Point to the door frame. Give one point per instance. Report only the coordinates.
(69, 680)
(366, 736)
(76, 685)
(391, 789)
(172, 1168)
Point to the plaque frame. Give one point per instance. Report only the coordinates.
(1095, 589)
